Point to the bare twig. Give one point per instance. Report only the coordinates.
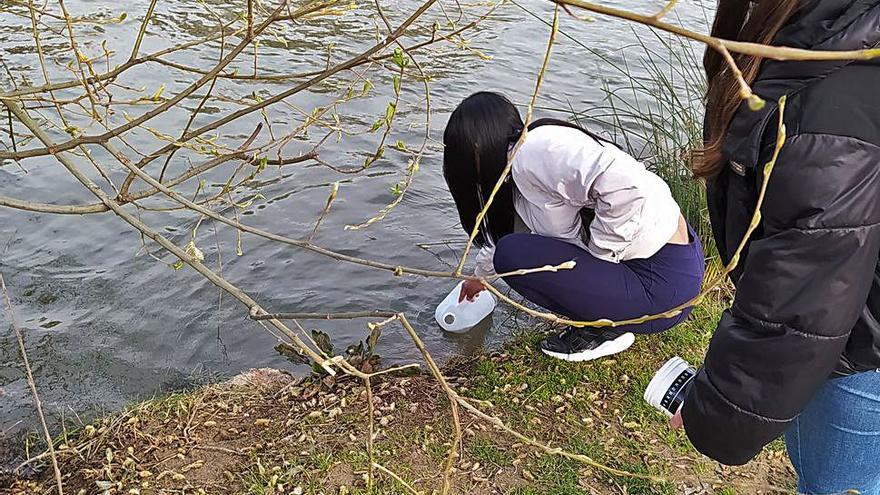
(522, 138)
(79, 57)
(333, 190)
(745, 91)
(10, 313)
(707, 287)
(207, 96)
(568, 265)
(371, 427)
(143, 30)
(325, 316)
(397, 478)
(11, 131)
(753, 49)
(250, 19)
(665, 10)
(453, 401)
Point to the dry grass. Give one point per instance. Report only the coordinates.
(266, 432)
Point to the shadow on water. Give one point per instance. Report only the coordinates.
(473, 341)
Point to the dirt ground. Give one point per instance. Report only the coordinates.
(265, 432)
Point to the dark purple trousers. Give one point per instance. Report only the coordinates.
(596, 289)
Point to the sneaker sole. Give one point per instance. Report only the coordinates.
(615, 346)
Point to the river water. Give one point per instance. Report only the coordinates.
(107, 324)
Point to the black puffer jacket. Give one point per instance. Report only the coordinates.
(807, 304)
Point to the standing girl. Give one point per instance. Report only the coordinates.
(799, 351)
(571, 195)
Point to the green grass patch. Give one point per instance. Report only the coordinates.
(559, 475)
(487, 453)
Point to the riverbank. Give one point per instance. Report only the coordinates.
(267, 432)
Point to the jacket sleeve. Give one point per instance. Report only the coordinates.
(803, 286)
(485, 265)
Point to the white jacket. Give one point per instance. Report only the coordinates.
(560, 170)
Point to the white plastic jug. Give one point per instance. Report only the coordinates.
(458, 317)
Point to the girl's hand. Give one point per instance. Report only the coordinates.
(676, 422)
(470, 289)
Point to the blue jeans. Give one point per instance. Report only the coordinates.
(834, 444)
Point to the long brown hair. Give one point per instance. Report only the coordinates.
(756, 21)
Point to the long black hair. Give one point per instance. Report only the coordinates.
(476, 141)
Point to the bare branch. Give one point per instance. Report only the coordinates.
(325, 316)
(235, 292)
(55, 209)
(131, 124)
(665, 10)
(708, 287)
(522, 138)
(753, 49)
(143, 30)
(333, 190)
(10, 313)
